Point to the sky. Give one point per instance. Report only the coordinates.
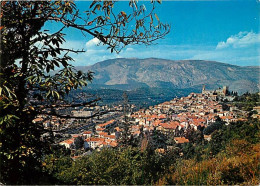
(221, 30)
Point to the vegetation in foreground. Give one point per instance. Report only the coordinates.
(231, 157)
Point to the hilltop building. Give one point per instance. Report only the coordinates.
(220, 93)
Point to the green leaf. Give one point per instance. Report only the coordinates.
(8, 91)
(48, 93)
(57, 94)
(56, 63)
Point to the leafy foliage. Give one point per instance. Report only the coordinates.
(214, 126)
(79, 142)
(235, 167)
(231, 157)
(29, 55)
(240, 130)
(112, 166)
(247, 101)
(235, 161)
(20, 146)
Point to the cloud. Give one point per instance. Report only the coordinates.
(240, 40)
(239, 49)
(129, 49)
(93, 42)
(235, 57)
(96, 52)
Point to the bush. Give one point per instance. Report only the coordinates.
(127, 166)
(214, 126)
(235, 167)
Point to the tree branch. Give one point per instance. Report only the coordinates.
(70, 105)
(70, 24)
(76, 117)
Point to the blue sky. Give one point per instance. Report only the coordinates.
(225, 31)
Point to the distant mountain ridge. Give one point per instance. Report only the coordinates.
(130, 74)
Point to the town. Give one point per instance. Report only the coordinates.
(172, 119)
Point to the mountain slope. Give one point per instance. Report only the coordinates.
(129, 74)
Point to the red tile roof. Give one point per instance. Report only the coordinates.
(113, 144)
(107, 123)
(95, 139)
(68, 141)
(87, 132)
(38, 120)
(181, 140)
(100, 129)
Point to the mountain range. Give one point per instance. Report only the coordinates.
(131, 74)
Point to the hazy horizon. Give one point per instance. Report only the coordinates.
(224, 31)
(168, 60)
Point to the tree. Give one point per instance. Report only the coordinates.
(128, 166)
(233, 158)
(79, 142)
(214, 126)
(126, 137)
(29, 54)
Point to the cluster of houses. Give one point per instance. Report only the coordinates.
(56, 123)
(51, 121)
(196, 111)
(93, 140)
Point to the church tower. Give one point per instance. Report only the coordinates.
(203, 89)
(225, 90)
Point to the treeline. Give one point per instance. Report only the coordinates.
(230, 157)
(247, 101)
(141, 97)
